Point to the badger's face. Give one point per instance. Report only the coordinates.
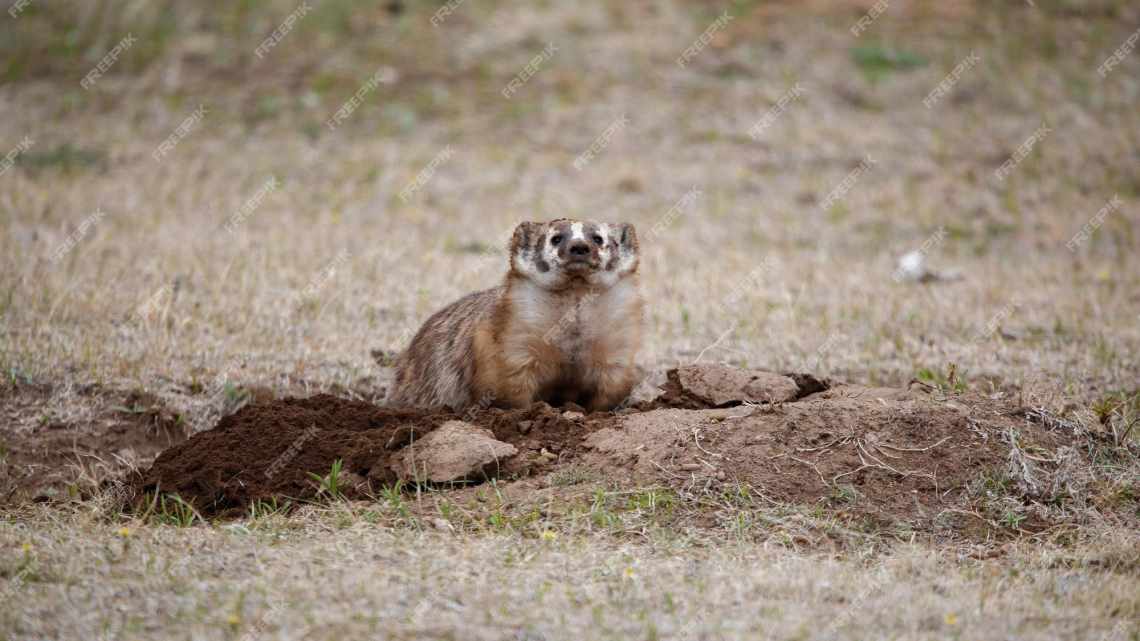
(564, 252)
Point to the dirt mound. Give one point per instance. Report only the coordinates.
(893, 453)
(273, 449)
(268, 449)
(896, 453)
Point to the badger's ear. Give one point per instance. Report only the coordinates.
(628, 249)
(526, 244)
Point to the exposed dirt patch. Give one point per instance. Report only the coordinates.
(893, 455)
(897, 454)
(62, 442)
(267, 449)
(272, 449)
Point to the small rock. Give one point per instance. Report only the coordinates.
(548, 455)
(524, 427)
(441, 524)
(716, 385)
(912, 267)
(573, 416)
(690, 467)
(455, 451)
(720, 475)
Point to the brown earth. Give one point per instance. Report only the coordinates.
(47, 453)
(271, 449)
(889, 454)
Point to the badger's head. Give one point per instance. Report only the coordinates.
(563, 253)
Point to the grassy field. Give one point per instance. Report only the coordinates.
(212, 219)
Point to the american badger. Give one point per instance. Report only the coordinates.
(565, 325)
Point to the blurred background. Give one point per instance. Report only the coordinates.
(277, 193)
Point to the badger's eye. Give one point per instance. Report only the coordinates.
(555, 239)
(598, 240)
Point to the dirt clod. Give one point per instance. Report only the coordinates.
(455, 451)
(702, 386)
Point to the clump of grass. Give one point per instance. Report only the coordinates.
(1120, 413)
(330, 485)
(876, 61)
(169, 509)
(572, 475)
(653, 500)
(950, 381)
(65, 157)
(393, 497)
(263, 509)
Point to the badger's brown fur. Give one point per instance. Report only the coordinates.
(565, 325)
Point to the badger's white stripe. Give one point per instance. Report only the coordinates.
(576, 231)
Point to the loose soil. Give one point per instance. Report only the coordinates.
(273, 449)
(889, 454)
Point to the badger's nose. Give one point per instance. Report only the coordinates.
(579, 248)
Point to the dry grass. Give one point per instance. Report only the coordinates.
(79, 577)
(332, 264)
